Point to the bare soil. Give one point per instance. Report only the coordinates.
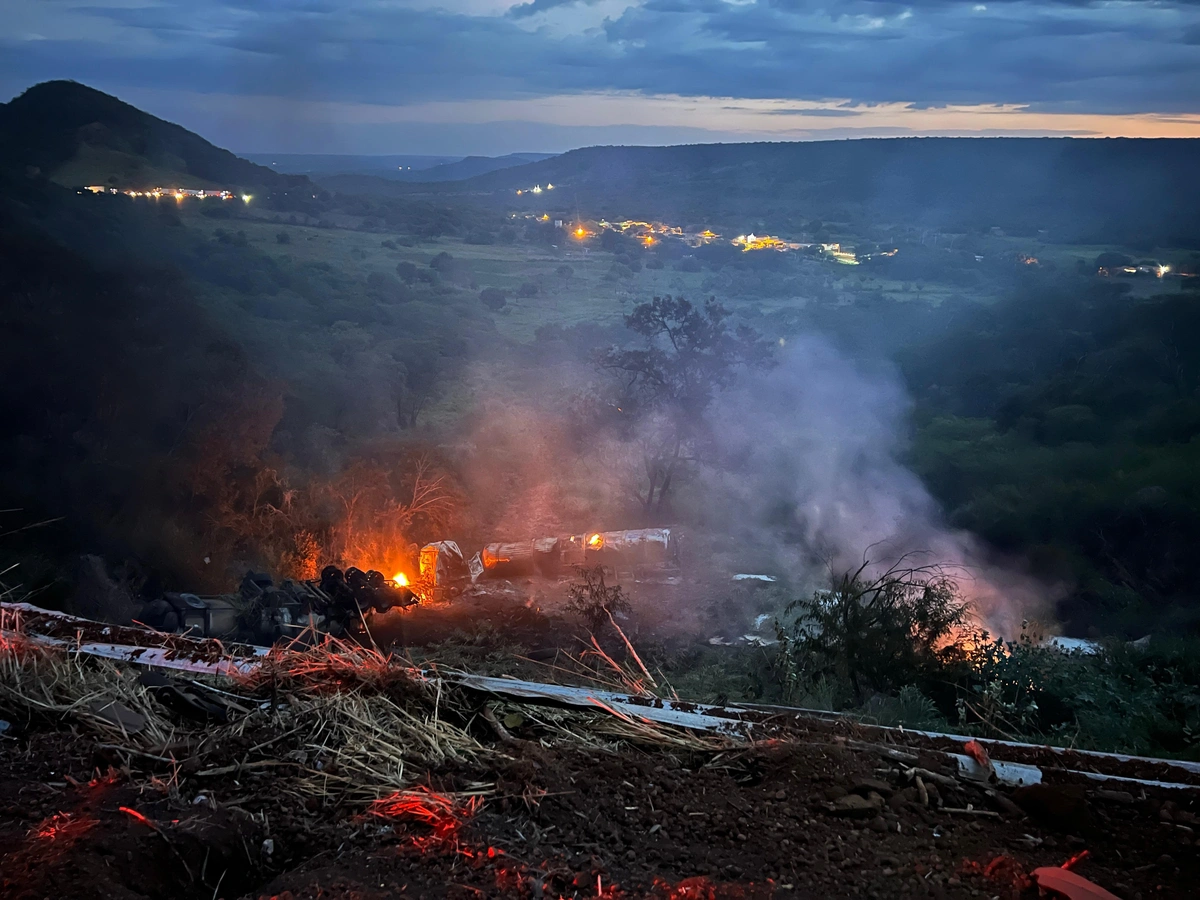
(769, 820)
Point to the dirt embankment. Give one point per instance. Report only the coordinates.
(804, 818)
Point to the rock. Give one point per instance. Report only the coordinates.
(119, 714)
(855, 806)
(1122, 797)
(1003, 804)
(878, 824)
(865, 786)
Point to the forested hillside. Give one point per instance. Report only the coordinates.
(1086, 191)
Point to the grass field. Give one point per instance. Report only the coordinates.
(587, 295)
(597, 291)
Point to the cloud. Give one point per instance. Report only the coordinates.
(524, 10)
(1069, 56)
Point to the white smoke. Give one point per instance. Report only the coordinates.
(816, 446)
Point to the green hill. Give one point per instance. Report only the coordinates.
(76, 135)
(1074, 190)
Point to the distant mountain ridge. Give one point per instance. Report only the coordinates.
(402, 168)
(76, 135)
(471, 166)
(407, 183)
(314, 165)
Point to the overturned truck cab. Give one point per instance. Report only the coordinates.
(264, 612)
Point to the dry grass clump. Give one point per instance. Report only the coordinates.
(338, 722)
(331, 666)
(365, 746)
(41, 682)
(368, 722)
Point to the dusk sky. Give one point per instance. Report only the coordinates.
(490, 77)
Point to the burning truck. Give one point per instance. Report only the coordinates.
(342, 602)
(635, 555)
(265, 612)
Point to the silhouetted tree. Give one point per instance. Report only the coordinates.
(667, 384)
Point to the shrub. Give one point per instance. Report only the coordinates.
(528, 289)
(283, 238)
(874, 633)
(594, 601)
(493, 298)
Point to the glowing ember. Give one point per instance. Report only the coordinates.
(401, 579)
(63, 825)
(443, 813)
(596, 541)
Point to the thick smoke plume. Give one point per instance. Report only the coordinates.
(814, 471)
(806, 476)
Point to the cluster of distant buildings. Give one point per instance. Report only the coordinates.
(1155, 269)
(649, 233)
(177, 193)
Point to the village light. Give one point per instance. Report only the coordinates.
(246, 198)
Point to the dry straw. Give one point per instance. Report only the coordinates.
(338, 722)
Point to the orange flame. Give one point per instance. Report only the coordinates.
(596, 541)
(401, 579)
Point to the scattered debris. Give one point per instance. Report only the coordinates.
(340, 766)
(1068, 884)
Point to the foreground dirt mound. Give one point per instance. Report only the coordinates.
(764, 821)
(340, 772)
